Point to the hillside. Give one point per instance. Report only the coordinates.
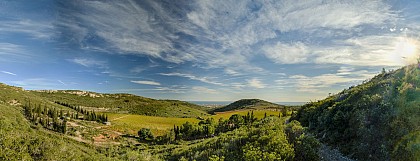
(122, 103)
(377, 120)
(248, 104)
(18, 141)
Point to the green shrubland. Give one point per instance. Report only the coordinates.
(377, 120)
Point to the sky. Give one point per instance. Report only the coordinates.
(207, 50)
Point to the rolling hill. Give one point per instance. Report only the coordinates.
(248, 104)
(377, 120)
(122, 103)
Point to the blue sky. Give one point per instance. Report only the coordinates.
(215, 50)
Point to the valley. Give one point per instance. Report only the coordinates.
(382, 112)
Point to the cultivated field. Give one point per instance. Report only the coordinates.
(130, 124)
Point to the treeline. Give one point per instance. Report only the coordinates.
(208, 128)
(49, 118)
(87, 115)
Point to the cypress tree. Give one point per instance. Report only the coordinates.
(61, 113)
(64, 127)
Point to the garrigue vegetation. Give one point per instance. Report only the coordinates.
(266, 139)
(248, 104)
(124, 103)
(377, 120)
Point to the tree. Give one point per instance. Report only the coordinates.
(145, 134)
(284, 111)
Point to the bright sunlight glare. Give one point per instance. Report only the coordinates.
(406, 50)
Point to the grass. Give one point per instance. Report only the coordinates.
(130, 124)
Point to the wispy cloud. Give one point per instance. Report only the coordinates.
(34, 29)
(192, 77)
(61, 82)
(171, 89)
(13, 52)
(256, 83)
(147, 82)
(10, 73)
(89, 62)
(218, 34)
(288, 53)
(201, 89)
(319, 84)
(38, 83)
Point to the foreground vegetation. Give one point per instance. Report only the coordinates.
(377, 120)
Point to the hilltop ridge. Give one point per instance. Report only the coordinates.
(248, 104)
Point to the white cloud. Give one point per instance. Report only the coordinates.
(13, 53)
(89, 62)
(256, 83)
(137, 70)
(37, 83)
(172, 89)
(287, 53)
(200, 89)
(192, 77)
(35, 29)
(320, 83)
(385, 50)
(61, 82)
(10, 73)
(220, 34)
(147, 82)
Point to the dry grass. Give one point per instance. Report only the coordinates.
(130, 124)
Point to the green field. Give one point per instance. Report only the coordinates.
(130, 124)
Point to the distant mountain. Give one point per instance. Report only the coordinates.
(123, 103)
(248, 104)
(377, 120)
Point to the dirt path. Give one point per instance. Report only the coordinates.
(73, 124)
(328, 154)
(119, 117)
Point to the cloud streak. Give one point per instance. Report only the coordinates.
(10, 73)
(89, 62)
(192, 77)
(147, 82)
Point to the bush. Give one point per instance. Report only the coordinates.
(145, 134)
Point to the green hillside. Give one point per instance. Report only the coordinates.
(376, 120)
(18, 141)
(123, 103)
(248, 104)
